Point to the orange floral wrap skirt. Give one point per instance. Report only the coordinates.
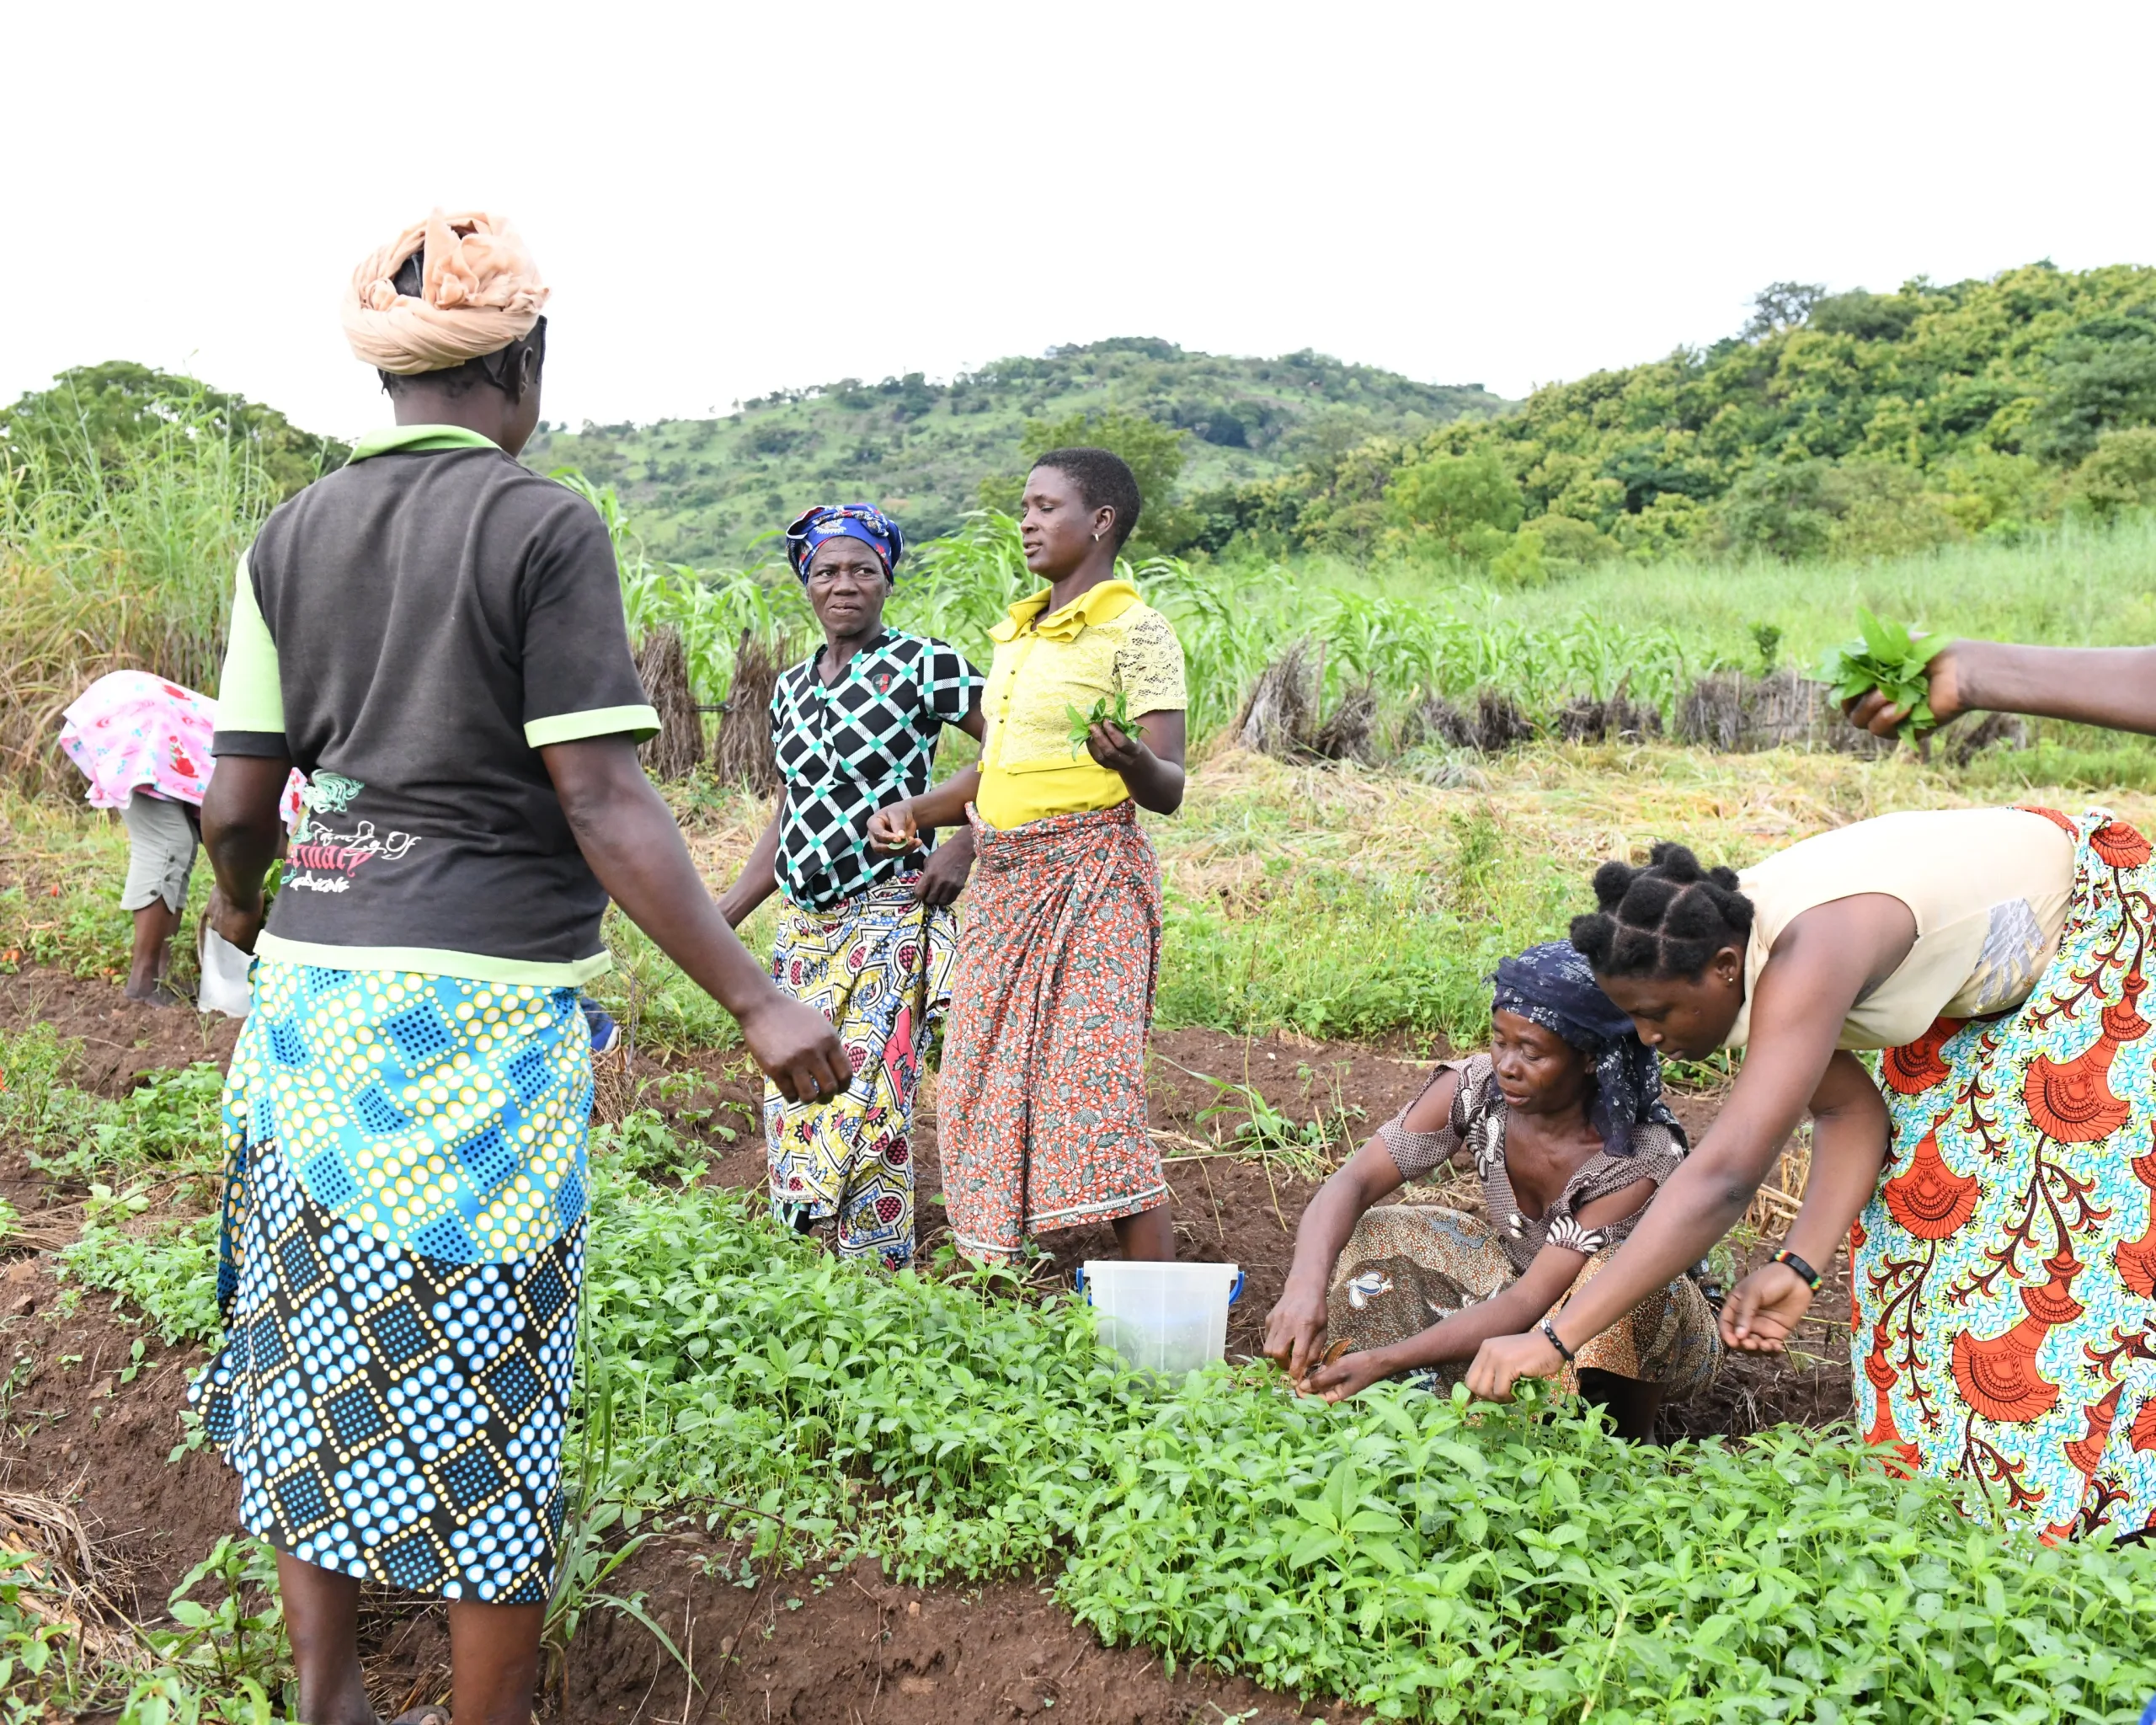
(1041, 1099)
(2004, 1276)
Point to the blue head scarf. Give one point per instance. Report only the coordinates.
(1553, 987)
(845, 521)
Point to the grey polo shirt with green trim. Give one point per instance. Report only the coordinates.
(410, 630)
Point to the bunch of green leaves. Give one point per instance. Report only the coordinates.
(1082, 722)
(1888, 657)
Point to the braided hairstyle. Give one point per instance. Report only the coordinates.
(1668, 919)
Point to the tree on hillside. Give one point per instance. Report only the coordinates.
(1468, 504)
(1782, 305)
(97, 410)
(2102, 378)
(1154, 451)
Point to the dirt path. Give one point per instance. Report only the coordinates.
(846, 1649)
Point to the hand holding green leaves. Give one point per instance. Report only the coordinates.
(1082, 724)
(1888, 657)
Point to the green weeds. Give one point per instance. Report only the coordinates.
(166, 1130)
(1420, 1557)
(225, 1662)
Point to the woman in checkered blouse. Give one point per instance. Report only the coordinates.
(865, 934)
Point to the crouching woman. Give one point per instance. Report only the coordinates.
(1563, 1121)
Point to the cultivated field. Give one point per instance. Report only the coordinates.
(809, 1492)
(853, 1497)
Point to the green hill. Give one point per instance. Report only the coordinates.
(703, 490)
(1855, 424)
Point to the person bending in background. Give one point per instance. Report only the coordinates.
(1041, 1100)
(2003, 1269)
(866, 936)
(144, 745)
(435, 635)
(1564, 1122)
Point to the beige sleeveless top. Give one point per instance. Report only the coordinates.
(1988, 888)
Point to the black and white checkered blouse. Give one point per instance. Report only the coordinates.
(848, 748)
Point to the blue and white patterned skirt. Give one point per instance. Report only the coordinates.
(390, 1416)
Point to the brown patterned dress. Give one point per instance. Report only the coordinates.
(1408, 1265)
(1041, 1094)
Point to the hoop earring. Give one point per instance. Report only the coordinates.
(1097, 539)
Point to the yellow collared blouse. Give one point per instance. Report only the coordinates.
(1105, 641)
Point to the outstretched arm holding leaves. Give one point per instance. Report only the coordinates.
(2111, 686)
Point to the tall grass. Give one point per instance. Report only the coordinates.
(2076, 582)
(1410, 629)
(105, 567)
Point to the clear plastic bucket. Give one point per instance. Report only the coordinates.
(1162, 1317)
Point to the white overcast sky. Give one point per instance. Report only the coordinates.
(726, 199)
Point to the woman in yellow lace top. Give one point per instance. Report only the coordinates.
(1042, 1097)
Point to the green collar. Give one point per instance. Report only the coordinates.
(416, 440)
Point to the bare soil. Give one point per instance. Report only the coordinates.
(804, 1646)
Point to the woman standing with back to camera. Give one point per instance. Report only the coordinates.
(1042, 1096)
(433, 634)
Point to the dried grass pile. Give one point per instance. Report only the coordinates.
(1620, 719)
(1493, 724)
(1284, 717)
(1279, 716)
(662, 667)
(1741, 715)
(1345, 734)
(65, 1580)
(742, 752)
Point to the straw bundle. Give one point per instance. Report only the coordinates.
(742, 752)
(662, 667)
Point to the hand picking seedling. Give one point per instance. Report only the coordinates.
(894, 828)
(1082, 724)
(1891, 657)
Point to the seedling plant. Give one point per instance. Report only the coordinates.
(1888, 657)
(1104, 712)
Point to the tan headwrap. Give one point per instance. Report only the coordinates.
(481, 291)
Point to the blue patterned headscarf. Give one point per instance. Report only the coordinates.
(845, 521)
(1554, 987)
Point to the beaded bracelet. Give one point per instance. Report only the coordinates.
(1550, 1333)
(1810, 1276)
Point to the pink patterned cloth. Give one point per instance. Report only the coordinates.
(130, 730)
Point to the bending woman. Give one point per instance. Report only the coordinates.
(1042, 1094)
(865, 936)
(1563, 1121)
(434, 634)
(144, 745)
(2003, 1269)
